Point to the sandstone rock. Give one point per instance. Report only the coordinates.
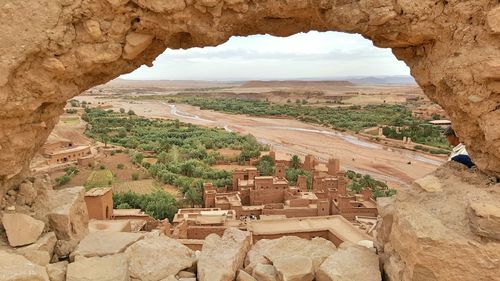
(53, 65)
(57, 271)
(243, 276)
(104, 243)
(318, 249)
(29, 193)
(18, 268)
(186, 274)
(350, 263)
(21, 229)
(494, 19)
(429, 183)
(430, 237)
(265, 272)
(170, 278)
(93, 28)
(221, 257)
(109, 268)
(98, 53)
(136, 44)
(117, 3)
(158, 257)
(45, 243)
(484, 219)
(162, 6)
(38, 257)
(294, 268)
(69, 220)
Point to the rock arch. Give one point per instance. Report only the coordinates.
(52, 50)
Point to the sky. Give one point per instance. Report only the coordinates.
(265, 57)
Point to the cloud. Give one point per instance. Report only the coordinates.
(266, 57)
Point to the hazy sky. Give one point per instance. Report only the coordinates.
(304, 55)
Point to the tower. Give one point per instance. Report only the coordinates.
(280, 170)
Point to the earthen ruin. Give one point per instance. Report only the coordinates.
(252, 195)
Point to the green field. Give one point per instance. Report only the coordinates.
(99, 178)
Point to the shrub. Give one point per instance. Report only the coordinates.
(62, 180)
(122, 110)
(131, 112)
(102, 167)
(120, 166)
(135, 176)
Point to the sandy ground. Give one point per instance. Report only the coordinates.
(288, 137)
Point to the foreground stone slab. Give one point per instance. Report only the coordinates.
(265, 251)
(427, 236)
(155, 258)
(69, 219)
(105, 243)
(57, 271)
(294, 268)
(484, 219)
(109, 268)
(21, 229)
(221, 257)
(18, 268)
(265, 272)
(243, 276)
(349, 263)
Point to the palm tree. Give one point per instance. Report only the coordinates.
(295, 162)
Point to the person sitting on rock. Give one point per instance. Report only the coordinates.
(459, 153)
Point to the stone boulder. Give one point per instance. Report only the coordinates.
(294, 268)
(268, 251)
(57, 271)
(221, 257)
(428, 236)
(69, 218)
(265, 272)
(109, 268)
(21, 229)
(484, 219)
(350, 262)
(18, 268)
(137, 43)
(243, 276)
(155, 258)
(104, 243)
(27, 192)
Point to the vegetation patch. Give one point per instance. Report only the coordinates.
(158, 204)
(99, 178)
(353, 118)
(360, 182)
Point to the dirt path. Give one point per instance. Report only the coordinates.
(288, 137)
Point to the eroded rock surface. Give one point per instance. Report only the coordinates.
(155, 258)
(68, 218)
(65, 47)
(427, 235)
(21, 229)
(104, 243)
(350, 262)
(221, 257)
(15, 268)
(268, 251)
(109, 268)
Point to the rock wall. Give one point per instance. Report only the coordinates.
(444, 228)
(52, 50)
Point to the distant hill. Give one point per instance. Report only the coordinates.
(377, 80)
(294, 83)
